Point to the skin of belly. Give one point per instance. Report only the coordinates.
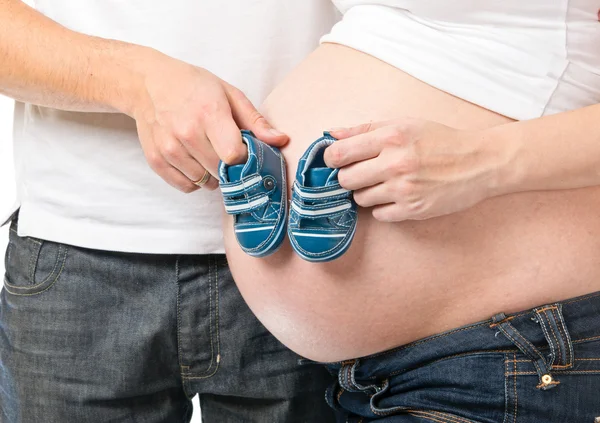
(400, 282)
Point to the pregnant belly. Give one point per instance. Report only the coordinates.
(403, 281)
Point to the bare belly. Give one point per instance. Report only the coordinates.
(403, 281)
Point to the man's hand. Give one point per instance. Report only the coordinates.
(410, 169)
(188, 119)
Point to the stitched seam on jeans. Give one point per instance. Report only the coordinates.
(505, 389)
(553, 347)
(521, 373)
(60, 256)
(517, 334)
(349, 377)
(450, 417)
(387, 412)
(585, 297)
(64, 260)
(431, 416)
(562, 327)
(33, 259)
(516, 393)
(447, 418)
(211, 264)
(578, 341)
(431, 419)
(545, 308)
(179, 354)
(512, 339)
(507, 319)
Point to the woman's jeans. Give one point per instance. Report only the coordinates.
(537, 366)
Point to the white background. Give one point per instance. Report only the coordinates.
(7, 190)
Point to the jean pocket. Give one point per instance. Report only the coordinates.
(32, 265)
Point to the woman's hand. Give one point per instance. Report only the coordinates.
(411, 169)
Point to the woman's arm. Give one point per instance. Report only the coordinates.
(412, 169)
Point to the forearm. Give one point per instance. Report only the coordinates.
(44, 63)
(555, 152)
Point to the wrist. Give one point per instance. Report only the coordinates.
(118, 72)
(506, 145)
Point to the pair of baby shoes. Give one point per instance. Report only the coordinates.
(322, 215)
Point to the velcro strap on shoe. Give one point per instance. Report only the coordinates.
(245, 205)
(232, 189)
(320, 193)
(322, 210)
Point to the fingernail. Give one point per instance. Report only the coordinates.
(276, 132)
(338, 128)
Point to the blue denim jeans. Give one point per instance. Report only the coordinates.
(96, 336)
(537, 366)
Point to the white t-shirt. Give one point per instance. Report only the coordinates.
(82, 178)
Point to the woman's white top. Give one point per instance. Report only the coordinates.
(522, 59)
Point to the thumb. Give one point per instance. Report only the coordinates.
(247, 117)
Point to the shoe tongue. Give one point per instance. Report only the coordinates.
(320, 177)
(237, 172)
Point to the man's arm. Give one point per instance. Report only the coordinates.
(187, 118)
(45, 63)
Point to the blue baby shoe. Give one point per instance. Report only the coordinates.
(255, 193)
(322, 214)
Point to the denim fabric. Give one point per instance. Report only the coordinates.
(538, 366)
(92, 336)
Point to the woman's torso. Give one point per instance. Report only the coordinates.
(403, 281)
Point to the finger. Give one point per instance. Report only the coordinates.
(178, 156)
(373, 196)
(247, 117)
(206, 181)
(212, 184)
(158, 163)
(353, 131)
(200, 148)
(224, 135)
(351, 150)
(361, 175)
(389, 213)
(169, 173)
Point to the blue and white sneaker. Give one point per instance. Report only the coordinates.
(255, 193)
(322, 214)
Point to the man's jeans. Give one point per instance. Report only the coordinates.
(94, 336)
(537, 366)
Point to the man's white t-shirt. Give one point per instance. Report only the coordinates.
(82, 178)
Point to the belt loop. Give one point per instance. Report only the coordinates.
(553, 325)
(348, 382)
(546, 381)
